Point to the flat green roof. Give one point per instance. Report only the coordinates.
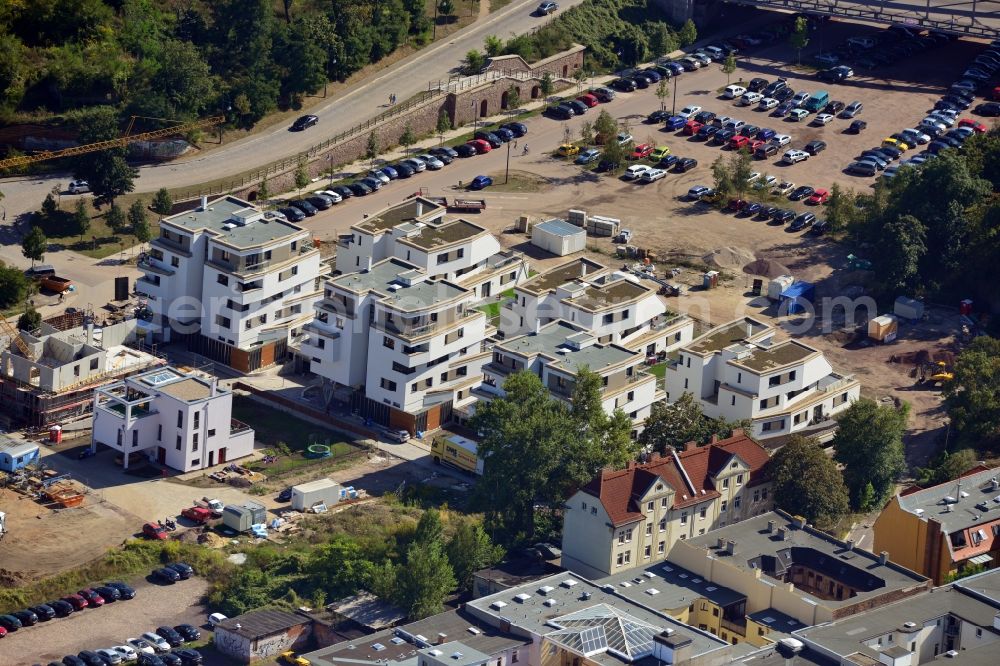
(762, 359)
(721, 337)
(561, 275)
(552, 340)
(411, 210)
(445, 234)
(384, 279)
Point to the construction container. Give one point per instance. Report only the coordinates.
(710, 280)
(306, 495)
(523, 224)
(598, 225)
(558, 237)
(241, 518)
(965, 307)
(908, 308)
(883, 329)
(796, 295)
(55, 434)
(577, 218)
(778, 285)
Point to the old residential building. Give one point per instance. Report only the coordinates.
(178, 419)
(740, 371)
(406, 348)
(614, 307)
(631, 517)
(416, 232)
(235, 283)
(946, 528)
(557, 351)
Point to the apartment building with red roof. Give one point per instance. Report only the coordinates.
(631, 517)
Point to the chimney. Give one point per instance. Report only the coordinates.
(714, 440)
(722, 543)
(212, 386)
(770, 527)
(749, 329)
(204, 202)
(420, 207)
(883, 557)
(441, 639)
(996, 483)
(730, 547)
(799, 522)
(849, 545)
(781, 533)
(368, 264)
(690, 446)
(538, 326)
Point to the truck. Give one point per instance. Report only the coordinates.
(322, 491)
(55, 283)
(457, 452)
(466, 205)
(198, 514)
(213, 505)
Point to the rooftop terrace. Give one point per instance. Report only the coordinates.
(617, 292)
(561, 275)
(411, 210)
(431, 237)
(722, 336)
(221, 219)
(552, 340)
(764, 359)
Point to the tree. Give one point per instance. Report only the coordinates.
(470, 550)
(728, 66)
(474, 62)
(301, 175)
(30, 320)
(425, 580)
(841, 208)
(14, 286)
(34, 245)
(107, 171)
(901, 247)
(443, 124)
(662, 93)
(429, 528)
(723, 179)
(446, 8)
(115, 219)
(869, 444)
(799, 37)
(162, 202)
(263, 191)
(946, 466)
(661, 40)
(493, 46)
(513, 99)
(740, 167)
(605, 128)
(371, 149)
(137, 216)
(688, 33)
(546, 84)
(81, 219)
(614, 153)
(580, 76)
(407, 138)
(587, 132)
(671, 426)
(972, 397)
(808, 483)
(50, 209)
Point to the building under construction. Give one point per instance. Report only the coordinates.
(49, 377)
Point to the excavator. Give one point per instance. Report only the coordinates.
(936, 372)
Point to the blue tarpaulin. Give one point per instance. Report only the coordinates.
(794, 297)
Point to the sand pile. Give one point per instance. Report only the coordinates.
(766, 268)
(728, 257)
(211, 540)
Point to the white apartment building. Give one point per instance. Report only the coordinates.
(632, 517)
(235, 283)
(416, 232)
(740, 371)
(410, 348)
(615, 307)
(558, 350)
(177, 419)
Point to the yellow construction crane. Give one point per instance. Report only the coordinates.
(15, 337)
(120, 142)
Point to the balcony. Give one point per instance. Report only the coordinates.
(735, 627)
(237, 427)
(429, 328)
(170, 246)
(153, 266)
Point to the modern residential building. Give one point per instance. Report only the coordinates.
(944, 529)
(614, 307)
(629, 518)
(741, 371)
(417, 232)
(407, 348)
(235, 283)
(557, 351)
(49, 377)
(781, 564)
(177, 419)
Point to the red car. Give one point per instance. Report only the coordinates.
(691, 127)
(481, 145)
(76, 601)
(735, 205)
(154, 531)
(739, 141)
(3, 632)
(197, 514)
(642, 150)
(755, 144)
(820, 196)
(976, 126)
(94, 600)
(588, 99)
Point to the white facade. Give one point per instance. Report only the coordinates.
(739, 371)
(411, 343)
(614, 307)
(180, 420)
(239, 277)
(559, 237)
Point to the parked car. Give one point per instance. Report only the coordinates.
(345, 192)
(154, 531)
(818, 197)
(141, 646)
(852, 110)
(109, 656)
(43, 612)
(623, 85)
(94, 600)
(634, 171)
(292, 214)
(674, 123)
(657, 116)
(61, 607)
(802, 221)
(336, 198)
(481, 147)
(78, 187)
(765, 151)
(567, 150)
(801, 192)
(815, 146)
(857, 127)
(757, 84)
(697, 192)
(642, 151)
(27, 617)
(862, 168)
(783, 217)
(546, 8)
(560, 112)
(304, 123)
(189, 657)
(90, 658)
(480, 182)
(214, 619)
(519, 129)
(685, 164)
(659, 153)
(783, 188)
(689, 111)
(170, 636)
(794, 156)
(305, 206)
(668, 161)
(10, 623)
(165, 575)
(76, 601)
(588, 156)
(320, 202)
(188, 632)
(126, 652)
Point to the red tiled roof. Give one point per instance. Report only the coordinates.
(618, 490)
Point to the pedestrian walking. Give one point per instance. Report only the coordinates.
(525, 149)
(515, 145)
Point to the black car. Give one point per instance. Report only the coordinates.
(650, 74)
(9, 622)
(802, 221)
(723, 136)
(815, 146)
(784, 94)
(890, 152)
(955, 100)
(837, 75)
(704, 117)
(948, 140)
(834, 107)
(465, 150)
(820, 228)
(560, 112)
(706, 132)
(165, 575)
(768, 212)
(519, 129)
(44, 611)
(668, 161)
(62, 608)
(607, 165)
(765, 151)
(783, 216)
(188, 632)
(490, 138)
(360, 189)
(579, 108)
(504, 134)
(446, 155)
(169, 635)
(771, 88)
(373, 184)
(319, 201)
(292, 214)
(657, 116)
(749, 131)
(624, 85)
(639, 82)
(857, 127)
(73, 660)
(149, 660)
(90, 658)
(801, 192)
(345, 192)
(305, 207)
(685, 164)
(110, 594)
(28, 618)
(188, 656)
(183, 568)
(405, 170)
(305, 122)
(757, 84)
(171, 659)
(285, 495)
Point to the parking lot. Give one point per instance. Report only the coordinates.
(112, 624)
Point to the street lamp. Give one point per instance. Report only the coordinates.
(506, 174)
(475, 117)
(330, 156)
(673, 112)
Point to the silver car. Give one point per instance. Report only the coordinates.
(417, 164)
(432, 162)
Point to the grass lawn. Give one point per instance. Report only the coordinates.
(99, 241)
(520, 181)
(659, 370)
(492, 310)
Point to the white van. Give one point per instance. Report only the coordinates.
(215, 618)
(734, 91)
(767, 104)
(750, 98)
(635, 171)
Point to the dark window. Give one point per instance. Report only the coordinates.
(211, 432)
(180, 419)
(159, 432)
(135, 438)
(222, 279)
(197, 419)
(194, 442)
(178, 444)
